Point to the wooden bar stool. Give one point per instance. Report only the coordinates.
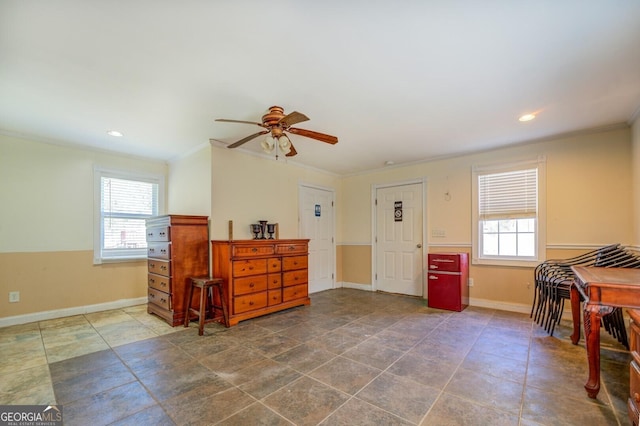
(206, 311)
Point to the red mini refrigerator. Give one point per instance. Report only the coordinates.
(448, 276)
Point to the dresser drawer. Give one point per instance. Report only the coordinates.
(634, 391)
(159, 298)
(634, 414)
(159, 282)
(249, 284)
(161, 233)
(291, 248)
(249, 251)
(294, 277)
(249, 302)
(242, 268)
(294, 262)
(275, 297)
(274, 264)
(160, 267)
(274, 281)
(294, 292)
(159, 250)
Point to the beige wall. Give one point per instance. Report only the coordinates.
(189, 183)
(247, 188)
(589, 203)
(635, 141)
(46, 229)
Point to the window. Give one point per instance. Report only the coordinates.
(123, 203)
(509, 214)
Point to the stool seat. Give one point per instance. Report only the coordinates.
(206, 311)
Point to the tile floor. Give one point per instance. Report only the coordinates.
(351, 358)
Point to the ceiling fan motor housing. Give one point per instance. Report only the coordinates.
(272, 117)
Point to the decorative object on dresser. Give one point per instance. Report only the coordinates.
(261, 276)
(177, 249)
(262, 228)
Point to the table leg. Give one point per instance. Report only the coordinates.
(592, 336)
(575, 314)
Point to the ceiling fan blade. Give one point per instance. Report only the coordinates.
(314, 135)
(293, 118)
(247, 139)
(292, 152)
(226, 120)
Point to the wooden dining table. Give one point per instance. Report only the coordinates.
(602, 290)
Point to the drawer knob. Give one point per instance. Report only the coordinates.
(251, 285)
(292, 247)
(251, 303)
(254, 250)
(152, 265)
(152, 281)
(636, 397)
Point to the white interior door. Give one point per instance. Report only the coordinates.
(399, 263)
(316, 222)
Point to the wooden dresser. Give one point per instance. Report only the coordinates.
(261, 276)
(177, 248)
(633, 404)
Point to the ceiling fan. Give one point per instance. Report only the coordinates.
(276, 123)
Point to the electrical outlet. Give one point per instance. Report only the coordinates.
(438, 233)
(470, 282)
(14, 296)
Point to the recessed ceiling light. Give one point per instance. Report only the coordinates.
(527, 117)
(115, 133)
(389, 163)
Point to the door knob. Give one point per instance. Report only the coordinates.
(419, 246)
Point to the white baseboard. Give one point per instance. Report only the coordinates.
(78, 310)
(501, 306)
(357, 286)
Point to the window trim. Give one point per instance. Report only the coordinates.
(541, 217)
(98, 174)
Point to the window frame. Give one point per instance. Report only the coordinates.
(477, 257)
(99, 255)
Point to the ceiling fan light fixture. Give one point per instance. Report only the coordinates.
(285, 144)
(527, 117)
(115, 133)
(268, 144)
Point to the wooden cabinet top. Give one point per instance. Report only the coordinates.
(263, 241)
(262, 248)
(176, 219)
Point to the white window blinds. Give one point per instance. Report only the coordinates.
(511, 194)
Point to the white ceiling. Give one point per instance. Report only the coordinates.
(399, 81)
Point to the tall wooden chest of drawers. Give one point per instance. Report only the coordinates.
(177, 248)
(261, 276)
